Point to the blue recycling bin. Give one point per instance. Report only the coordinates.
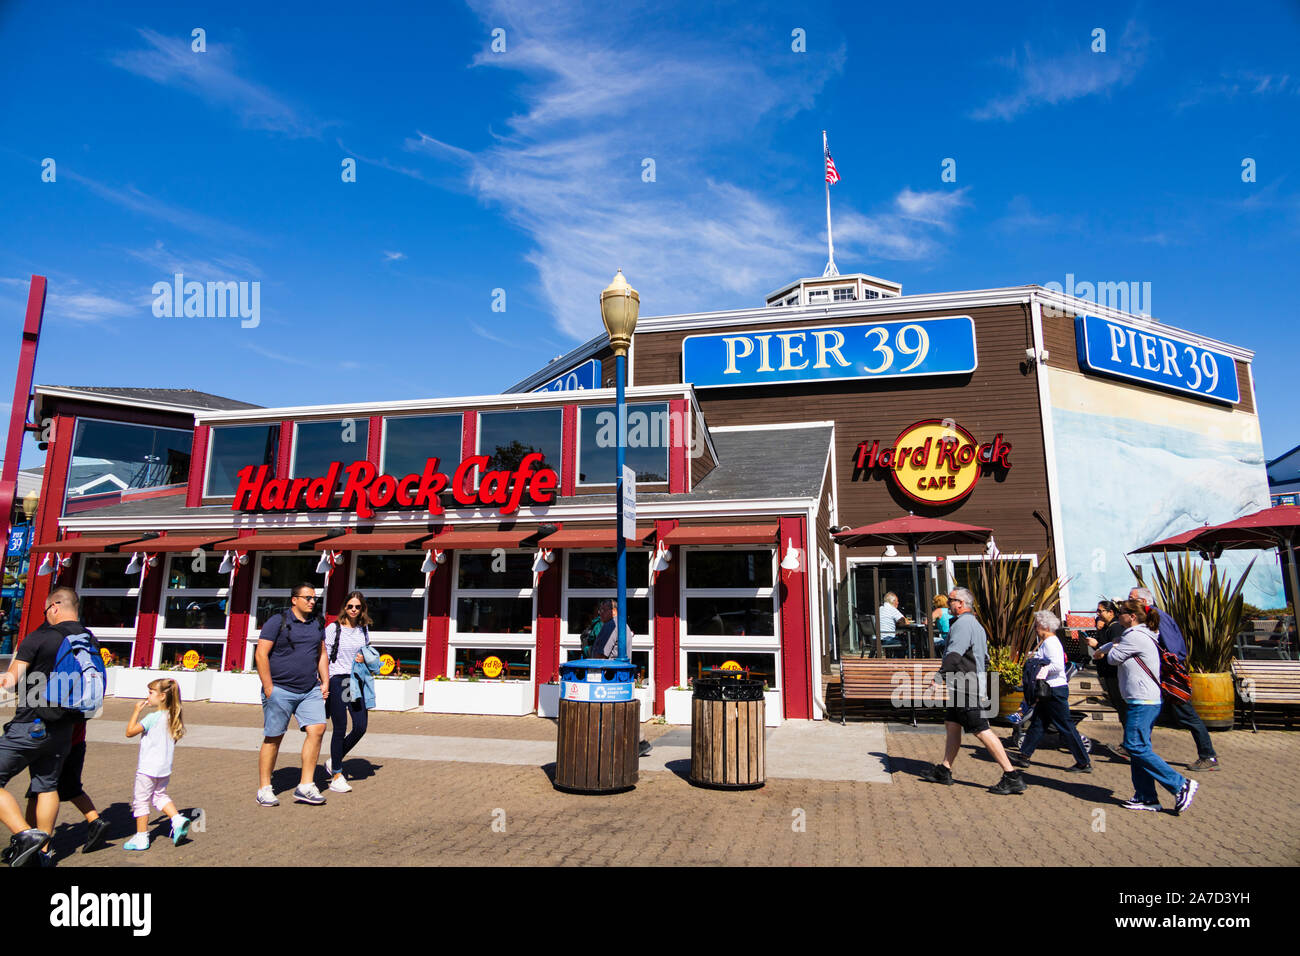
(599, 727)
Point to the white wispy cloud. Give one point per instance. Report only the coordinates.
(567, 168)
(284, 357)
(498, 340)
(218, 268)
(904, 230)
(1052, 76)
(154, 208)
(393, 256)
(1231, 84)
(81, 304)
(214, 77)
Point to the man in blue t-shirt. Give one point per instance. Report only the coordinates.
(294, 668)
(1182, 711)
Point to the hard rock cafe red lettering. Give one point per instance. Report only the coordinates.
(933, 461)
(950, 453)
(364, 489)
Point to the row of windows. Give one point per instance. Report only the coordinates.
(408, 441)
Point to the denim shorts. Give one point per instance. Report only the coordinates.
(43, 758)
(308, 707)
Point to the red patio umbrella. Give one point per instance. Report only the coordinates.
(1184, 541)
(1277, 527)
(913, 532)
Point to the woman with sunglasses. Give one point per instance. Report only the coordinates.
(343, 642)
(1137, 655)
(1109, 631)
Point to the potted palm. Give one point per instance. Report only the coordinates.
(1007, 593)
(1208, 610)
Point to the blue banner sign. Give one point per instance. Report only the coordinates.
(906, 349)
(1153, 358)
(586, 375)
(20, 539)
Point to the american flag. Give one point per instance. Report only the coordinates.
(832, 177)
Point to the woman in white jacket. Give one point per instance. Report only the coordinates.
(1052, 707)
(1137, 655)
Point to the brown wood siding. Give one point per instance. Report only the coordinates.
(997, 397)
(1062, 352)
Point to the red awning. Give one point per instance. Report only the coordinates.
(480, 539)
(89, 543)
(723, 534)
(183, 541)
(592, 537)
(376, 541)
(268, 540)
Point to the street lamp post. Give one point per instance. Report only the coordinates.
(619, 306)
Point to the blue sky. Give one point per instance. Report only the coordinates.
(522, 170)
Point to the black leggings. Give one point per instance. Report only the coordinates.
(341, 742)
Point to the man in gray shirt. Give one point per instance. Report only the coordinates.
(967, 660)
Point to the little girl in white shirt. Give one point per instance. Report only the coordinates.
(158, 732)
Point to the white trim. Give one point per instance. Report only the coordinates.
(100, 398)
(485, 640)
(1042, 373)
(764, 642)
(433, 406)
(773, 426)
(115, 634)
(973, 558)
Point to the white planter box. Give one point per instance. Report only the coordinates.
(397, 694)
(772, 708)
(677, 706)
(134, 682)
(548, 700)
(228, 688)
(110, 685)
(647, 697)
(505, 698)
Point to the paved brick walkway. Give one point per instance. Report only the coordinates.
(429, 811)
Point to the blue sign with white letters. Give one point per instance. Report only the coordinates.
(1154, 358)
(897, 349)
(586, 375)
(20, 539)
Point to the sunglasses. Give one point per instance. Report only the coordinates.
(352, 607)
(305, 597)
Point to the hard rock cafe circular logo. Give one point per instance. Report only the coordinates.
(387, 664)
(935, 462)
(107, 655)
(492, 667)
(731, 666)
(190, 660)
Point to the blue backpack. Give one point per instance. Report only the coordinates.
(78, 678)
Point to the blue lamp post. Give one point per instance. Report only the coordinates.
(619, 306)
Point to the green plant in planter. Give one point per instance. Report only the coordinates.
(1008, 667)
(1007, 593)
(1208, 610)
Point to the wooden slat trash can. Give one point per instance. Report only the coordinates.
(599, 728)
(727, 744)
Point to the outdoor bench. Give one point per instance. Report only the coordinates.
(1267, 682)
(863, 678)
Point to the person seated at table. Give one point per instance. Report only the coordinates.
(942, 618)
(890, 615)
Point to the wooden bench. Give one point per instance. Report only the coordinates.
(1267, 682)
(868, 678)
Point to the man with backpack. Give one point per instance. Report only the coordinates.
(294, 668)
(40, 735)
(1182, 711)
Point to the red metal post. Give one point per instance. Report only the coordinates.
(796, 683)
(18, 410)
(546, 661)
(437, 627)
(667, 632)
(679, 420)
(569, 456)
(198, 465)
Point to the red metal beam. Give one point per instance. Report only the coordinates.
(18, 410)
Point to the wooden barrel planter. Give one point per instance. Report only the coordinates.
(1213, 699)
(1009, 701)
(596, 746)
(727, 744)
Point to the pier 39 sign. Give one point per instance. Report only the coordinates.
(1156, 359)
(903, 349)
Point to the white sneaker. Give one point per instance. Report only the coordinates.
(307, 793)
(340, 785)
(329, 768)
(266, 797)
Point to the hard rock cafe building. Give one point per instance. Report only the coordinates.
(481, 529)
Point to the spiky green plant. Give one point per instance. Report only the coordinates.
(1208, 610)
(1007, 593)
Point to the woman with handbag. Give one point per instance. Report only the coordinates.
(1052, 697)
(344, 640)
(1137, 655)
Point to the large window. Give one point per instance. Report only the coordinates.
(962, 570)
(111, 457)
(410, 440)
(110, 599)
(194, 601)
(232, 447)
(591, 577)
(730, 612)
(647, 443)
(507, 437)
(394, 588)
(277, 576)
(492, 604)
(317, 445)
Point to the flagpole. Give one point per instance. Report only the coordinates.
(830, 242)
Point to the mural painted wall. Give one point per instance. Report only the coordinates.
(1136, 466)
